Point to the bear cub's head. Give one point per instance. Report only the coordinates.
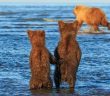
(68, 28)
(37, 37)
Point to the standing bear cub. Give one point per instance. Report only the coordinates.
(91, 15)
(68, 54)
(40, 59)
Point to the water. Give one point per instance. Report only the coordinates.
(93, 77)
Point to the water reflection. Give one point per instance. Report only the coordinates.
(54, 92)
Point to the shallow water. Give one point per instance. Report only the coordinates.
(93, 77)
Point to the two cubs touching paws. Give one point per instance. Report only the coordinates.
(66, 57)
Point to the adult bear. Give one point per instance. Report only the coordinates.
(92, 16)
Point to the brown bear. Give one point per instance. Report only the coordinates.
(40, 59)
(91, 15)
(68, 54)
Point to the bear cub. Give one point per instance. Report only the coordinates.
(68, 54)
(40, 59)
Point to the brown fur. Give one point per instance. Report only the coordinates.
(40, 59)
(68, 54)
(91, 15)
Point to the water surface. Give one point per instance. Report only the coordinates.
(93, 77)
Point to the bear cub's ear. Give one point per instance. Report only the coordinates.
(41, 33)
(75, 24)
(61, 23)
(30, 34)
